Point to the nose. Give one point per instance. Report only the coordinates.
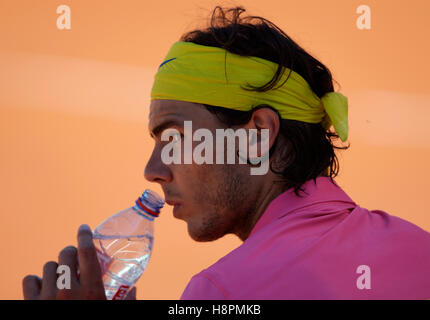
(156, 170)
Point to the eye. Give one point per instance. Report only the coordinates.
(176, 137)
(172, 135)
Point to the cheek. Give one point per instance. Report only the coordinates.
(209, 178)
(194, 178)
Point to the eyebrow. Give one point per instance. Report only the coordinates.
(164, 125)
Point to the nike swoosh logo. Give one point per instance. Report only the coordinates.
(166, 62)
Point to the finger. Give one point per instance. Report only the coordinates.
(131, 294)
(49, 281)
(31, 286)
(68, 256)
(90, 273)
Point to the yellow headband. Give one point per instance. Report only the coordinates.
(214, 76)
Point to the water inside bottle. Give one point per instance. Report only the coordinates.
(129, 259)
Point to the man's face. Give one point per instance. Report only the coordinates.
(210, 198)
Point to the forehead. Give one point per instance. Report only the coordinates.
(160, 109)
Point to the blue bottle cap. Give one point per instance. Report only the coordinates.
(150, 202)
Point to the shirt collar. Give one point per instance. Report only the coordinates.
(321, 190)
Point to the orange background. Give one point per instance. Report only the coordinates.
(74, 106)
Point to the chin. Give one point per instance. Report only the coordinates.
(200, 235)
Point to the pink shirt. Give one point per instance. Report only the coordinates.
(321, 246)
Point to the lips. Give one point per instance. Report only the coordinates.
(176, 209)
(176, 206)
(172, 203)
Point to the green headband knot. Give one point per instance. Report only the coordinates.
(214, 76)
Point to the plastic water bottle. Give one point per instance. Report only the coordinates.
(124, 243)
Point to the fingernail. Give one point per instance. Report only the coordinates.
(84, 227)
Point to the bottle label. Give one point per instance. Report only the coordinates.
(121, 293)
(104, 261)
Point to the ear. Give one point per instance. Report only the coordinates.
(264, 118)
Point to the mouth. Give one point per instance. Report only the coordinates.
(176, 206)
(175, 210)
(171, 202)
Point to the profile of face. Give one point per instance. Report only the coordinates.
(213, 199)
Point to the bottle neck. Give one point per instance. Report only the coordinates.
(142, 205)
(143, 213)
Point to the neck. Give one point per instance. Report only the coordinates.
(267, 194)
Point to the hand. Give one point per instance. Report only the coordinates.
(88, 287)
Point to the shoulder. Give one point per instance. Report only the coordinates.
(213, 282)
(203, 286)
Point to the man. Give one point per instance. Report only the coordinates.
(303, 236)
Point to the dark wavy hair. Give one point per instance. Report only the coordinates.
(304, 150)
